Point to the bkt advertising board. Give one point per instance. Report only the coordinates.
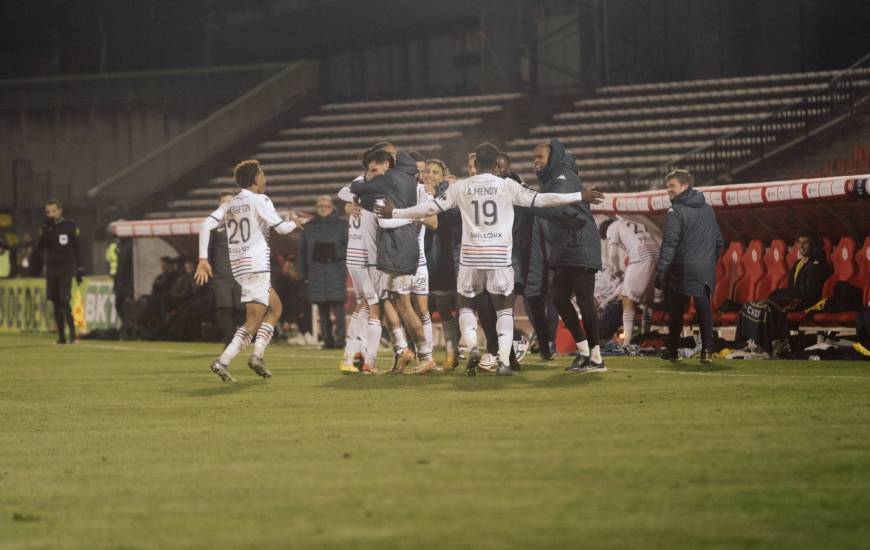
(23, 306)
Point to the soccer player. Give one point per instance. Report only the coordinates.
(248, 217)
(439, 257)
(486, 204)
(398, 249)
(362, 256)
(643, 253)
(420, 280)
(59, 238)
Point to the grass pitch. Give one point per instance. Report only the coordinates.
(138, 445)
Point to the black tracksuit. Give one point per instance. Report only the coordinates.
(59, 240)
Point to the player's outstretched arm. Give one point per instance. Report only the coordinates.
(420, 211)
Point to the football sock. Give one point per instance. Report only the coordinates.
(504, 325)
(449, 328)
(468, 327)
(583, 347)
(595, 355)
(426, 321)
(373, 340)
(399, 341)
(360, 333)
(264, 336)
(350, 339)
(627, 325)
(240, 341)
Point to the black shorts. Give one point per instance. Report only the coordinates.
(58, 284)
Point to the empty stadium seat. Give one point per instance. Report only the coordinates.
(776, 275)
(845, 270)
(732, 270)
(746, 287)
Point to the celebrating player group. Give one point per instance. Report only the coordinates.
(499, 227)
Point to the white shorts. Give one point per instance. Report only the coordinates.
(255, 287)
(363, 285)
(420, 281)
(638, 283)
(471, 281)
(386, 283)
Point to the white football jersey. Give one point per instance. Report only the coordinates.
(248, 217)
(486, 204)
(639, 243)
(362, 234)
(422, 196)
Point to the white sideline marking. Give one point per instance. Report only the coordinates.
(318, 356)
(724, 375)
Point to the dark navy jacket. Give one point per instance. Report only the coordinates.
(571, 232)
(398, 251)
(691, 245)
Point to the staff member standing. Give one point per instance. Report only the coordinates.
(687, 263)
(59, 239)
(321, 263)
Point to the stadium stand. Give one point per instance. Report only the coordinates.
(625, 132)
(317, 155)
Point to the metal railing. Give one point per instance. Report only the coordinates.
(200, 143)
(719, 160)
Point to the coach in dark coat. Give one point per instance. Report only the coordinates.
(321, 264)
(691, 245)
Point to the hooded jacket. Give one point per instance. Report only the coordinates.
(691, 245)
(571, 233)
(805, 285)
(398, 252)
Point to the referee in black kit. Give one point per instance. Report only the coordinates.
(59, 240)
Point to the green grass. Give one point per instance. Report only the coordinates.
(137, 445)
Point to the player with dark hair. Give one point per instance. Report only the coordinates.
(59, 239)
(486, 204)
(398, 253)
(248, 218)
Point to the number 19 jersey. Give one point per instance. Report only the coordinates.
(248, 218)
(486, 204)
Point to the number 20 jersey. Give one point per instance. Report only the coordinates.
(248, 218)
(486, 204)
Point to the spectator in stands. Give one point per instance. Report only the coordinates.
(321, 264)
(691, 245)
(806, 277)
(23, 254)
(7, 259)
(229, 310)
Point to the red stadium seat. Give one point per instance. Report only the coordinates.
(777, 272)
(843, 261)
(733, 270)
(746, 288)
